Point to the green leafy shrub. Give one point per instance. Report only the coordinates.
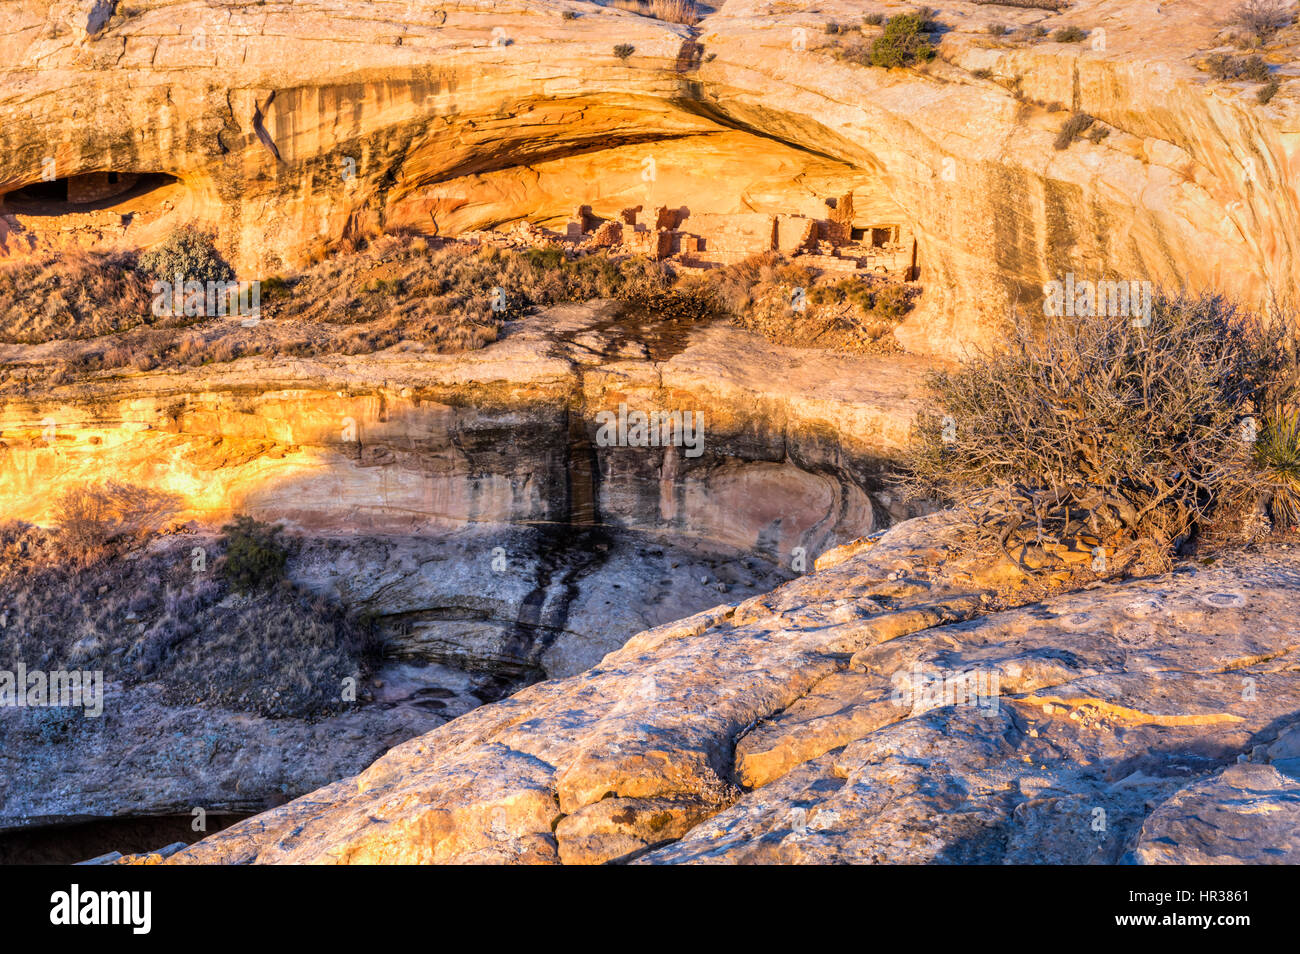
(190, 253)
(254, 557)
(1277, 457)
(906, 40)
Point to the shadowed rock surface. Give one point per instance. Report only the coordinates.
(1142, 721)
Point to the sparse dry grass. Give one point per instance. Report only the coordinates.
(72, 295)
(764, 294)
(1053, 5)
(151, 617)
(96, 520)
(398, 290)
(686, 12)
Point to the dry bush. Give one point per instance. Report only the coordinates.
(1224, 66)
(1072, 129)
(686, 12)
(1256, 21)
(96, 519)
(72, 295)
(1132, 435)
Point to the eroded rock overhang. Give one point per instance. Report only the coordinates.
(289, 129)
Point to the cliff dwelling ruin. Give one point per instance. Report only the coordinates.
(839, 242)
(90, 210)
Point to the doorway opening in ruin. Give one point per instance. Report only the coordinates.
(89, 192)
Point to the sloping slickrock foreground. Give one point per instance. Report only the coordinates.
(1154, 721)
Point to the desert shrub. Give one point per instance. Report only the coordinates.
(834, 28)
(274, 287)
(73, 295)
(1256, 21)
(1277, 459)
(982, 73)
(1131, 435)
(893, 301)
(1098, 133)
(1266, 92)
(569, 15)
(905, 40)
(624, 50)
(1069, 34)
(997, 29)
(1072, 129)
(1225, 66)
(254, 556)
(873, 19)
(190, 253)
(96, 519)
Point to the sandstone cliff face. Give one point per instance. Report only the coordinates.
(882, 709)
(469, 495)
(463, 502)
(287, 127)
(790, 449)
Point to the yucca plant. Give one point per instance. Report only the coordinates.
(1277, 456)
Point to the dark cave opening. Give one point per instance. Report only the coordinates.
(87, 192)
